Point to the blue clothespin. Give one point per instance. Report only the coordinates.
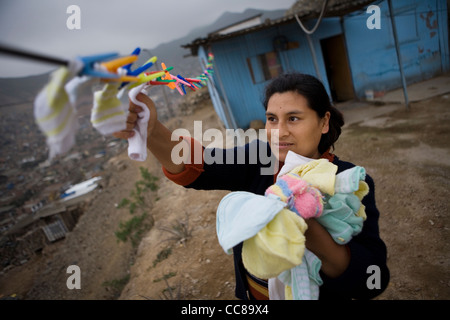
(89, 65)
(141, 69)
(135, 52)
(182, 85)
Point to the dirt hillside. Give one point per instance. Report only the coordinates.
(406, 152)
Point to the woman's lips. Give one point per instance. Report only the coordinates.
(284, 145)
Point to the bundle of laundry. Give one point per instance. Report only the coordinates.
(272, 227)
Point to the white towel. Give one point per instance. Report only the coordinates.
(292, 161)
(137, 145)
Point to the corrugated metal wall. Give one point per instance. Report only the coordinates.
(423, 36)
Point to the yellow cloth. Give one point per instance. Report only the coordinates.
(319, 173)
(278, 247)
(288, 293)
(362, 191)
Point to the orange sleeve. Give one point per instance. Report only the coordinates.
(192, 170)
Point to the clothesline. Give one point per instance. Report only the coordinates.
(56, 105)
(32, 55)
(106, 66)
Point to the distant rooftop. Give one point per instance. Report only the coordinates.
(304, 9)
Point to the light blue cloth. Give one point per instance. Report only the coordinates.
(241, 215)
(347, 181)
(304, 279)
(339, 217)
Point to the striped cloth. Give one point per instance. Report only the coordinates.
(54, 115)
(108, 113)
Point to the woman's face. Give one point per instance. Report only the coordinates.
(297, 126)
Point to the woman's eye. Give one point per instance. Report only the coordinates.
(271, 119)
(293, 118)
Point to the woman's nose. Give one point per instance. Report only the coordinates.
(283, 129)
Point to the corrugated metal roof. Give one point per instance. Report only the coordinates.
(305, 10)
(335, 7)
(219, 31)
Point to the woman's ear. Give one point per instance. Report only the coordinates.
(325, 122)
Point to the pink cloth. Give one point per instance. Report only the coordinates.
(301, 197)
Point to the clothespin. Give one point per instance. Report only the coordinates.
(124, 79)
(150, 62)
(167, 76)
(89, 65)
(179, 81)
(187, 83)
(160, 82)
(115, 64)
(135, 52)
(143, 78)
(195, 82)
(198, 84)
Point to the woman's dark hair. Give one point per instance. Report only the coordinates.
(318, 100)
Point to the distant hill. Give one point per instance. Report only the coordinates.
(21, 90)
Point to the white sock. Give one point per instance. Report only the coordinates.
(137, 145)
(54, 115)
(108, 114)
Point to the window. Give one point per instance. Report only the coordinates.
(264, 67)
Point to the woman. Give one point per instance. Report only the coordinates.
(299, 111)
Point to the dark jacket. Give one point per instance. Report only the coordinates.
(366, 249)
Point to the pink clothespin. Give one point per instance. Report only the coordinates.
(191, 86)
(178, 82)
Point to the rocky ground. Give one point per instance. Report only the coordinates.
(406, 152)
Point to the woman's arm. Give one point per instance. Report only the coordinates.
(221, 174)
(335, 258)
(365, 250)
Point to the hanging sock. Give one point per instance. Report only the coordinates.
(79, 90)
(137, 145)
(108, 114)
(53, 113)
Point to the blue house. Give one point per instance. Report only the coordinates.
(353, 50)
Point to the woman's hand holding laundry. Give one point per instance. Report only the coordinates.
(159, 138)
(132, 118)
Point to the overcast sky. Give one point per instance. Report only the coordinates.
(106, 26)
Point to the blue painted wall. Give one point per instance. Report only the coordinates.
(423, 35)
